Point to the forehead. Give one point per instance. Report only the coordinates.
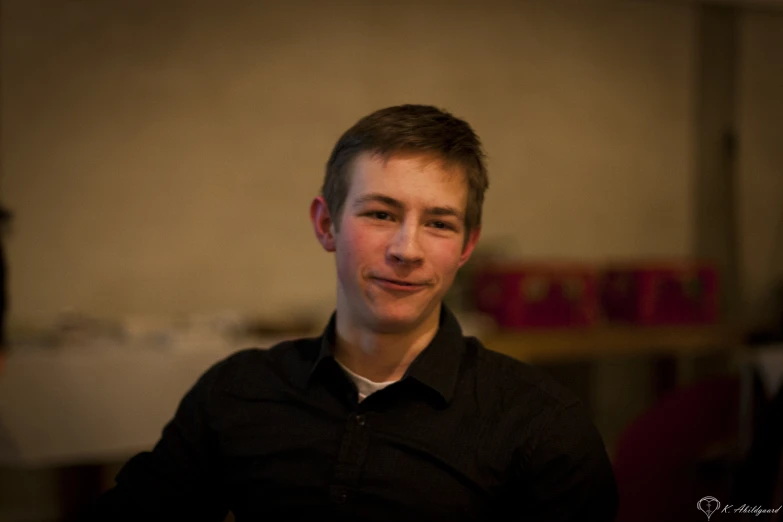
(410, 176)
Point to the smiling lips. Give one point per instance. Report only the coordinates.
(394, 284)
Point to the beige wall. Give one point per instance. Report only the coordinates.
(161, 156)
(761, 159)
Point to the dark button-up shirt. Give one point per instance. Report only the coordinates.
(279, 434)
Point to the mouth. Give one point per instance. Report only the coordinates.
(395, 284)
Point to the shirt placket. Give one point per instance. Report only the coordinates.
(351, 458)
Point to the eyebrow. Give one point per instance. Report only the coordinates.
(398, 205)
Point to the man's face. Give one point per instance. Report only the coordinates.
(400, 241)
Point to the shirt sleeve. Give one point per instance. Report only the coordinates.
(567, 476)
(179, 478)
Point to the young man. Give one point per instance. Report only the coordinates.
(391, 414)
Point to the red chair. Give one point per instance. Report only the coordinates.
(661, 459)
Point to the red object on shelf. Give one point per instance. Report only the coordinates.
(533, 295)
(660, 293)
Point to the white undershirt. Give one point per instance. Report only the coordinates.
(365, 386)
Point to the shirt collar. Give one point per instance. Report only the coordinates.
(437, 366)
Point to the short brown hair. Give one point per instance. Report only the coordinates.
(409, 129)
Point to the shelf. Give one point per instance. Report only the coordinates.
(617, 340)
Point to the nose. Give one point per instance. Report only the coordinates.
(404, 248)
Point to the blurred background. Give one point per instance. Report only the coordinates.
(158, 160)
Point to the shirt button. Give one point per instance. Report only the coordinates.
(360, 420)
(342, 497)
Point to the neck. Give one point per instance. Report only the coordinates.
(381, 356)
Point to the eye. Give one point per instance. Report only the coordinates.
(442, 225)
(378, 214)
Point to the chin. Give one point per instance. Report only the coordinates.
(393, 320)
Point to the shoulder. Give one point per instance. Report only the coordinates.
(246, 370)
(558, 453)
(508, 379)
(528, 402)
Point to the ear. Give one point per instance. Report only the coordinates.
(470, 244)
(322, 223)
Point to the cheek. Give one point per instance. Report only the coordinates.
(360, 240)
(357, 248)
(447, 259)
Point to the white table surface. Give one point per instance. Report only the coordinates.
(102, 404)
